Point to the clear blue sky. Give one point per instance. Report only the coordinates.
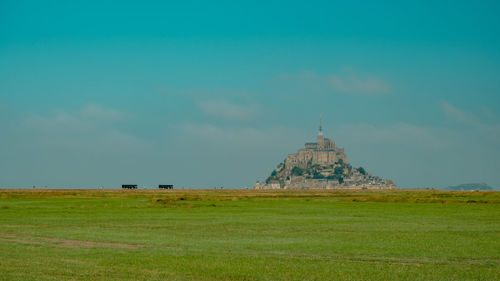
(205, 93)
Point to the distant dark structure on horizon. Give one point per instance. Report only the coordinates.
(166, 186)
(129, 186)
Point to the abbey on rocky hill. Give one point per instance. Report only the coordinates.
(321, 165)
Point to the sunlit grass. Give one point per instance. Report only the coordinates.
(249, 235)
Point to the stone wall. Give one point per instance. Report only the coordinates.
(315, 184)
(320, 157)
(262, 185)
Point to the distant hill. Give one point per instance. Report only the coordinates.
(471, 186)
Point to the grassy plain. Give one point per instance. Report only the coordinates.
(249, 235)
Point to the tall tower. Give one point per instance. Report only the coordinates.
(321, 138)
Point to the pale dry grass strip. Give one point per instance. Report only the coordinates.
(29, 239)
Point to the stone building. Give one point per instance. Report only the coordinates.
(322, 152)
(322, 165)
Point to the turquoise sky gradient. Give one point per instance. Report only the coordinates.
(216, 94)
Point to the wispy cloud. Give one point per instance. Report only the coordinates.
(358, 84)
(348, 82)
(89, 128)
(73, 148)
(454, 114)
(484, 130)
(269, 137)
(228, 110)
(303, 76)
(98, 112)
(399, 133)
(470, 129)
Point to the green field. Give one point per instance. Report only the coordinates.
(249, 235)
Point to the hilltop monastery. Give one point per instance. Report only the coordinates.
(321, 165)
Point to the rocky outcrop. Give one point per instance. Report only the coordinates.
(321, 165)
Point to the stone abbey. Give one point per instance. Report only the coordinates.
(321, 165)
(323, 152)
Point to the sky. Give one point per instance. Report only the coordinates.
(217, 93)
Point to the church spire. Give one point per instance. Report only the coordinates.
(320, 132)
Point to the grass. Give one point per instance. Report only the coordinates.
(249, 235)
